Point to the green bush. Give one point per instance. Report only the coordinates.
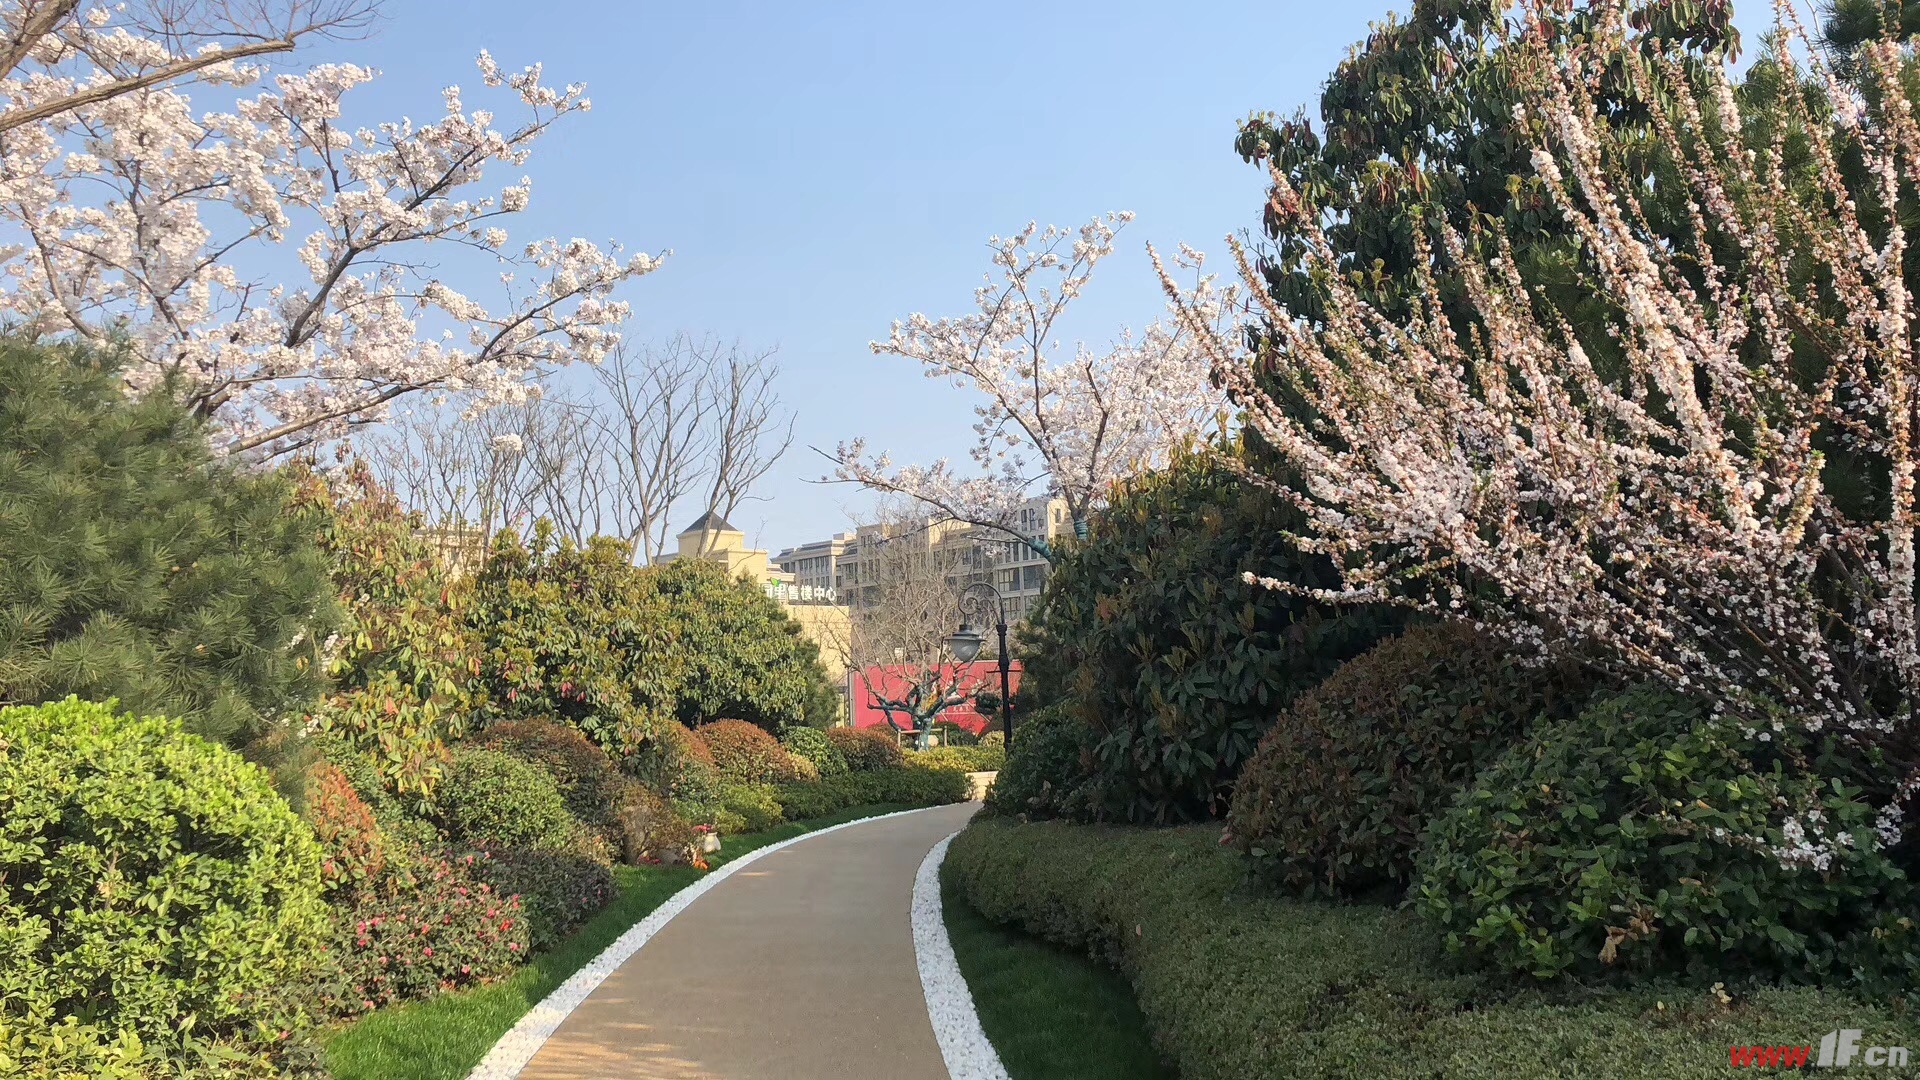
(813, 744)
(902, 786)
(557, 890)
(1046, 772)
(1177, 664)
(135, 567)
(491, 799)
(964, 758)
(1644, 836)
(1237, 984)
(867, 748)
(749, 807)
(744, 655)
(1339, 790)
(589, 781)
(151, 883)
(744, 753)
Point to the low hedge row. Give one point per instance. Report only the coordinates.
(1236, 984)
(904, 785)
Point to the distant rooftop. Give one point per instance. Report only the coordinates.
(709, 522)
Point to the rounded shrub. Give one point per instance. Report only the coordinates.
(1046, 770)
(749, 807)
(1647, 836)
(1340, 788)
(151, 883)
(866, 748)
(1175, 662)
(492, 799)
(744, 753)
(814, 745)
(588, 779)
(352, 847)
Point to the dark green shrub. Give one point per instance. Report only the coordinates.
(1339, 790)
(867, 748)
(1236, 984)
(899, 786)
(813, 744)
(1046, 771)
(1177, 664)
(749, 807)
(557, 890)
(744, 753)
(433, 923)
(490, 799)
(151, 883)
(1644, 836)
(588, 779)
(134, 567)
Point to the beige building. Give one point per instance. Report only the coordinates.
(825, 621)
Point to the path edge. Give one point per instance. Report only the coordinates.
(515, 1049)
(956, 1025)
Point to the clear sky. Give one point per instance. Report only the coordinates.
(822, 169)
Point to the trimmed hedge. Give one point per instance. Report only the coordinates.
(963, 758)
(151, 882)
(744, 753)
(1340, 788)
(748, 808)
(1238, 985)
(492, 799)
(591, 784)
(813, 745)
(1648, 836)
(867, 748)
(905, 786)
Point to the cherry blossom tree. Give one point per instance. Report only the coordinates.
(1071, 420)
(1662, 490)
(265, 260)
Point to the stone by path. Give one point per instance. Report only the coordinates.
(798, 967)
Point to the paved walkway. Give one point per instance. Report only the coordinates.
(798, 967)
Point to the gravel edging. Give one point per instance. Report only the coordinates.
(956, 1026)
(517, 1047)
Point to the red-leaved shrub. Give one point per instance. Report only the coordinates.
(744, 753)
(867, 748)
(351, 845)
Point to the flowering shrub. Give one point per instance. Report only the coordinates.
(744, 753)
(491, 799)
(435, 924)
(866, 748)
(1645, 836)
(152, 884)
(352, 848)
(1340, 788)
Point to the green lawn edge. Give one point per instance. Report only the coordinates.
(444, 1037)
(1050, 1013)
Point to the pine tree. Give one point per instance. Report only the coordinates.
(134, 566)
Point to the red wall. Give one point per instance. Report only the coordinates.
(891, 680)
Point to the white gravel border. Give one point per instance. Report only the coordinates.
(517, 1047)
(956, 1026)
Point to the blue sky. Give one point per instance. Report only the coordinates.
(820, 170)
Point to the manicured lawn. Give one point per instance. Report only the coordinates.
(443, 1038)
(1052, 1014)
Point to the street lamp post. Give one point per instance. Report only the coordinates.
(966, 641)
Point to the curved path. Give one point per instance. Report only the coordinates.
(798, 967)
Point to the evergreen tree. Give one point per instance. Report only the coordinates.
(134, 566)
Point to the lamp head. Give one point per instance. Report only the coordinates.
(965, 643)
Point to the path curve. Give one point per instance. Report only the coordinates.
(798, 966)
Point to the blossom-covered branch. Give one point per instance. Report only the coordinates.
(1666, 489)
(139, 215)
(1073, 422)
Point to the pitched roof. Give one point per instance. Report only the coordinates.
(709, 522)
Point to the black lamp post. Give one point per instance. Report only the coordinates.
(965, 642)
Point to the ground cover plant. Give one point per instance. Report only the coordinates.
(1234, 983)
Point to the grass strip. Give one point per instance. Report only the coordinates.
(444, 1037)
(1051, 1014)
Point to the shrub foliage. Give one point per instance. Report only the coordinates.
(866, 748)
(491, 799)
(814, 745)
(744, 753)
(1339, 790)
(151, 882)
